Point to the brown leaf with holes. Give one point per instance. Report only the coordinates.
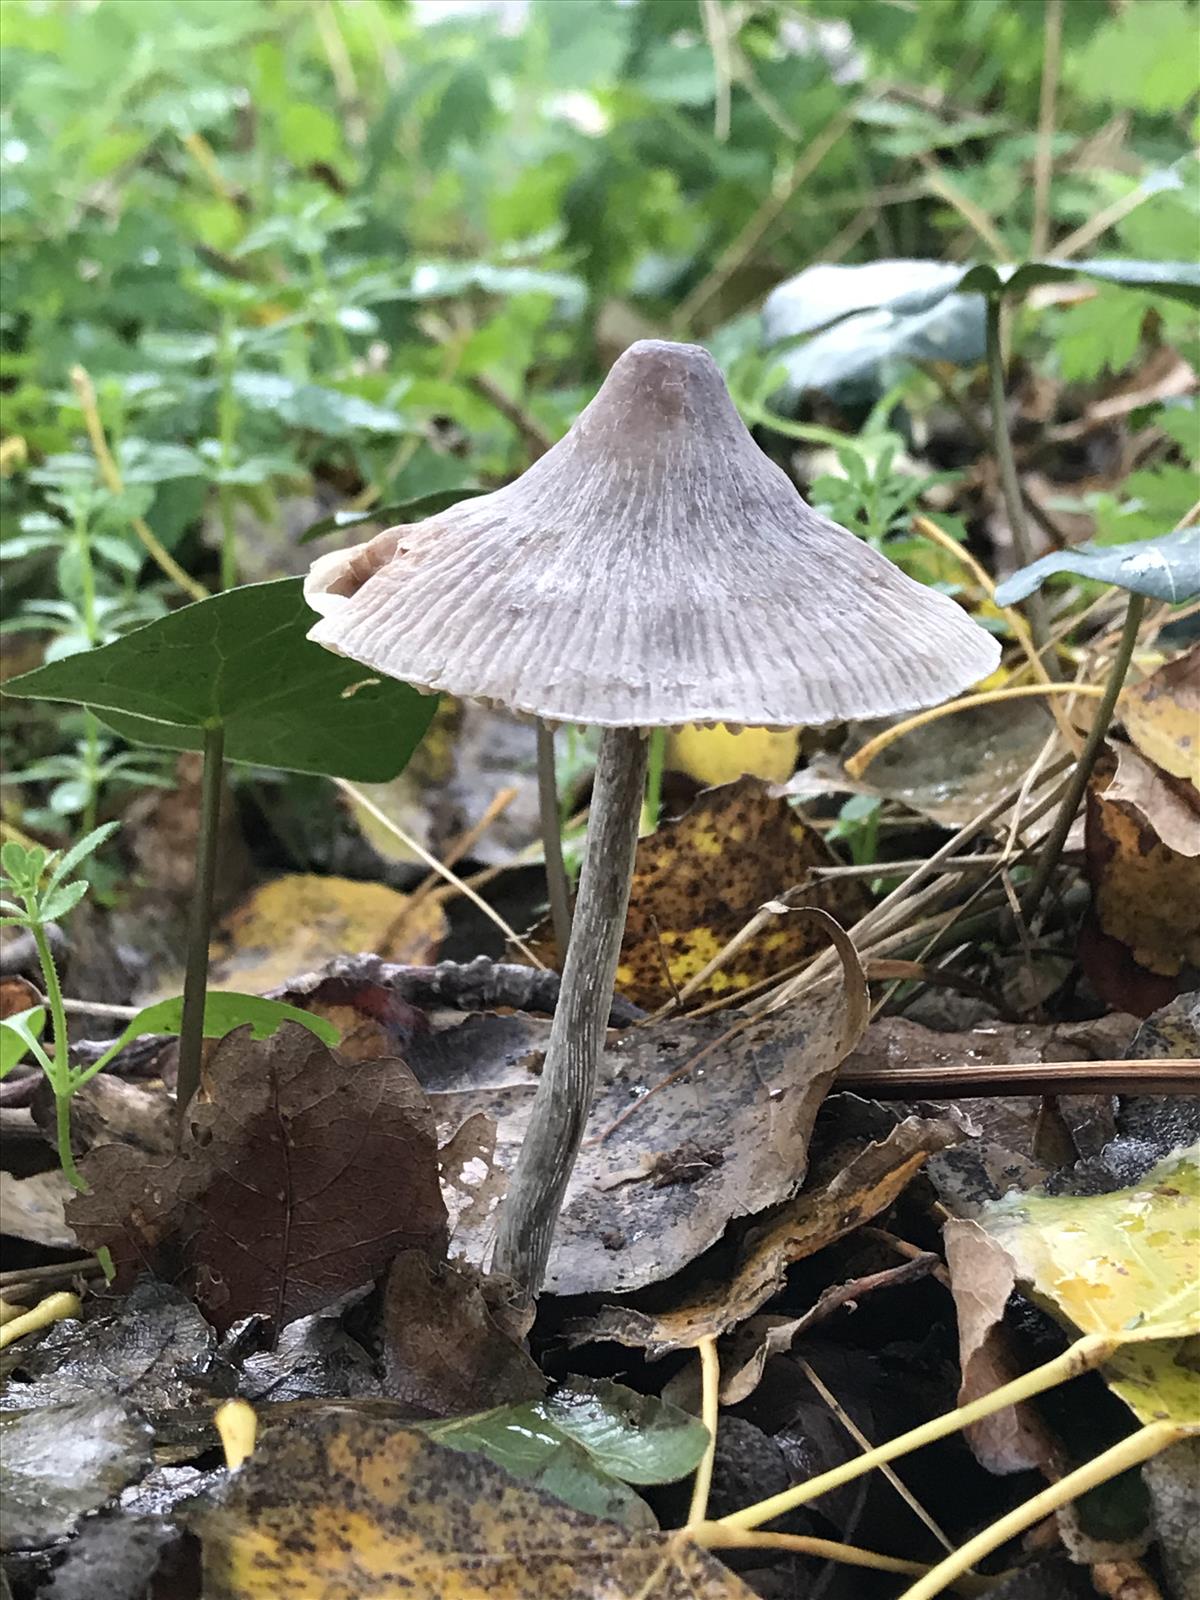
(699, 880)
(1145, 923)
(300, 1177)
(1162, 716)
(443, 1351)
(850, 1189)
(336, 1504)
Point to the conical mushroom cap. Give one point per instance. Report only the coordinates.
(653, 568)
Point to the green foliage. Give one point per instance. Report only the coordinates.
(1167, 568)
(242, 661)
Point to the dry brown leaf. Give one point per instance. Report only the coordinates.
(300, 921)
(857, 1188)
(981, 1278)
(298, 1180)
(1169, 805)
(1162, 716)
(337, 1505)
(1145, 905)
(699, 880)
(443, 1352)
(32, 1208)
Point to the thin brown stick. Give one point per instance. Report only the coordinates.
(918, 1081)
(463, 845)
(1043, 161)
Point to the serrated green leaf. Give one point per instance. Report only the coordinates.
(1167, 568)
(242, 659)
(62, 900)
(80, 852)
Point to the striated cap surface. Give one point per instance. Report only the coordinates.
(653, 568)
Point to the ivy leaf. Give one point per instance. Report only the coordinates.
(242, 660)
(1167, 568)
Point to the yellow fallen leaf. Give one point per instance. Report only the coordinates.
(1162, 716)
(714, 755)
(300, 921)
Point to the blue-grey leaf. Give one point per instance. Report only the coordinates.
(1167, 568)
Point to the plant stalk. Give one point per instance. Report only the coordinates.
(1011, 485)
(1138, 1447)
(1057, 837)
(558, 890)
(60, 1081)
(1085, 1354)
(652, 803)
(568, 1083)
(195, 981)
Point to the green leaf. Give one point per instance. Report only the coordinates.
(223, 1012)
(80, 852)
(62, 900)
(422, 505)
(584, 1443)
(1142, 57)
(1120, 1264)
(1167, 568)
(313, 408)
(17, 1034)
(242, 660)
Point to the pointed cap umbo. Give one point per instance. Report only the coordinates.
(654, 568)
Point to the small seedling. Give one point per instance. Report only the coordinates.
(43, 891)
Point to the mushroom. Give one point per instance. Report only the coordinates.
(653, 568)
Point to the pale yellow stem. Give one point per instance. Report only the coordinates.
(710, 1390)
(1138, 1447)
(720, 1536)
(54, 1308)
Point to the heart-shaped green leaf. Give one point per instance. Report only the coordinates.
(242, 659)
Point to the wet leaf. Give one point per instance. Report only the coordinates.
(1162, 716)
(59, 1463)
(315, 1512)
(695, 1122)
(443, 1351)
(300, 921)
(300, 1177)
(1121, 1264)
(1166, 568)
(698, 881)
(283, 701)
(113, 1555)
(584, 1443)
(848, 1192)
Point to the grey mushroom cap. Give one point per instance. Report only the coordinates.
(654, 568)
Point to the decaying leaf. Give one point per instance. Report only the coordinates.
(1170, 806)
(850, 1190)
(32, 1208)
(295, 923)
(1145, 897)
(340, 1505)
(443, 1351)
(1116, 1264)
(1162, 716)
(585, 1444)
(699, 880)
(696, 1121)
(470, 1172)
(59, 1463)
(981, 1276)
(300, 1177)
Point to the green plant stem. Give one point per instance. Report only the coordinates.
(226, 435)
(1057, 837)
(195, 982)
(60, 1078)
(1009, 481)
(1138, 1447)
(229, 564)
(558, 890)
(652, 803)
(1084, 1355)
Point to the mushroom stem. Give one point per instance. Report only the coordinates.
(568, 1082)
(558, 891)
